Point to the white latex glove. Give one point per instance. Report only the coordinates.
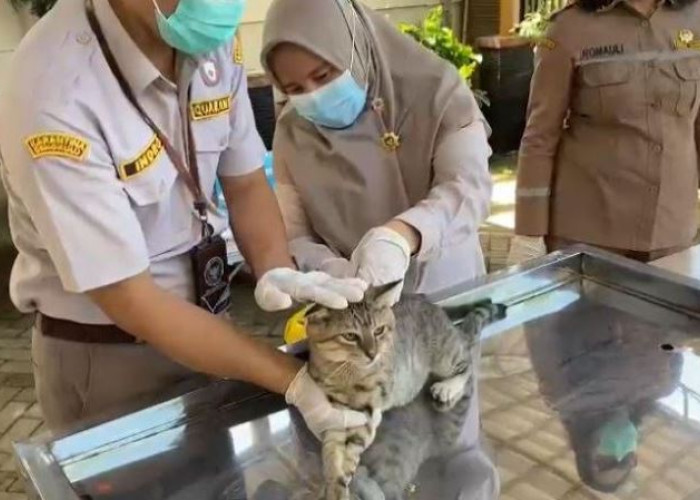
(382, 257)
(337, 267)
(524, 248)
(279, 288)
(319, 414)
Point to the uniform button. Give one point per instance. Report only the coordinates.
(83, 38)
(658, 148)
(656, 104)
(645, 24)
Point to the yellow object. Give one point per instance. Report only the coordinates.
(57, 144)
(295, 330)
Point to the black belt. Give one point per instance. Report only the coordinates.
(71, 331)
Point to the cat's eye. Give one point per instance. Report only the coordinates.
(350, 337)
(380, 331)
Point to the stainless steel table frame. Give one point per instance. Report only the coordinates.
(590, 388)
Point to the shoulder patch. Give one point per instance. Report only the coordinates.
(546, 43)
(143, 161)
(58, 145)
(237, 49)
(204, 110)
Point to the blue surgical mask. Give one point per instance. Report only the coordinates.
(200, 26)
(336, 105)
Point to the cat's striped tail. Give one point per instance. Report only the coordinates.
(472, 318)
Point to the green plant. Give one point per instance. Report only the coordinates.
(434, 35)
(537, 15)
(36, 7)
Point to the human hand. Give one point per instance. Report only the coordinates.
(524, 248)
(382, 257)
(313, 404)
(279, 288)
(337, 267)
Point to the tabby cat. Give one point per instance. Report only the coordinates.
(372, 358)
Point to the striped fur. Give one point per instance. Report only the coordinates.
(372, 358)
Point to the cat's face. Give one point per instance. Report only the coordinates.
(360, 335)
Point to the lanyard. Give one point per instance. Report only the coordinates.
(189, 175)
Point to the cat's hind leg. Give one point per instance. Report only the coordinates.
(341, 457)
(452, 367)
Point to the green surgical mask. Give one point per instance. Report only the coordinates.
(200, 26)
(618, 438)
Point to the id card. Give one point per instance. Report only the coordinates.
(211, 275)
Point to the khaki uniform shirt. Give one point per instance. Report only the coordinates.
(610, 154)
(93, 197)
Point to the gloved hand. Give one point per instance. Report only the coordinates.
(278, 288)
(382, 257)
(337, 267)
(319, 414)
(524, 248)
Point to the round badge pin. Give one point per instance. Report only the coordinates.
(210, 73)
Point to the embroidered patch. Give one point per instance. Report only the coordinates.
(143, 161)
(237, 49)
(685, 39)
(204, 110)
(57, 144)
(602, 51)
(210, 73)
(546, 43)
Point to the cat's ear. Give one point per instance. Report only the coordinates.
(385, 295)
(316, 313)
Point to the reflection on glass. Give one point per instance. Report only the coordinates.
(685, 401)
(279, 422)
(242, 437)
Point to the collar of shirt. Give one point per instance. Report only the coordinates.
(138, 70)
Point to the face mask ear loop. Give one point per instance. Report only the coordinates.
(157, 7)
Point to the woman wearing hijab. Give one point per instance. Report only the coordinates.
(381, 153)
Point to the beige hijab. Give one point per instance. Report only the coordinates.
(348, 180)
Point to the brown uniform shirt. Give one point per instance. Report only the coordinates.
(610, 153)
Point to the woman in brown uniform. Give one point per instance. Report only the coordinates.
(610, 153)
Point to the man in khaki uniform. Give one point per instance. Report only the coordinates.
(117, 118)
(610, 153)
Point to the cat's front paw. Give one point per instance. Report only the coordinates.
(446, 394)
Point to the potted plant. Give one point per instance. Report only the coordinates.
(433, 34)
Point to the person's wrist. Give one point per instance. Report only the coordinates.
(293, 371)
(408, 233)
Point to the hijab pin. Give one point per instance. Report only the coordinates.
(391, 141)
(378, 104)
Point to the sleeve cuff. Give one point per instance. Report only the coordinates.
(246, 158)
(425, 225)
(532, 217)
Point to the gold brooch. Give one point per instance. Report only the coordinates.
(391, 141)
(685, 39)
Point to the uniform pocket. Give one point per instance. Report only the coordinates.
(211, 138)
(603, 89)
(164, 215)
(688, 72)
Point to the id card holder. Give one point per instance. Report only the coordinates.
(211, 275)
